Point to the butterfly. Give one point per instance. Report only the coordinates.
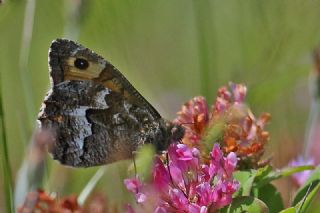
(94, 114)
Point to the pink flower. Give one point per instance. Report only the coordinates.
(182, 183)
(205, 194)
(230, 163)
(193, 208)
(242, 133)
(133, 185)
(161, 174)
(301, 177)
(183, 152)
(225, 98)
(178, 199)
(239, 92)
(160, 209)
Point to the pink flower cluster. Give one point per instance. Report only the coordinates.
(301, 177)
(225, 98)
(196, 116)
(242, 132)
(181, 183)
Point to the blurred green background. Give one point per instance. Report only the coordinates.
(170, 51)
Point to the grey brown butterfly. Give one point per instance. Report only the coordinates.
(94, 114)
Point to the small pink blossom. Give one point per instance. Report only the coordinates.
(183, 152)
(160, 209)
(193, 208)
(178, 199)
(301, 177)
(239, 92)
(160, 174)
(133, 185)
(225, 99)
(230, 163)
(140, 197)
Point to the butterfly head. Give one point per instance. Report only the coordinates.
(71, 61)
(173, 133)
(177, 131)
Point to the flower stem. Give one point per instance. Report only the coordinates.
(7, 176)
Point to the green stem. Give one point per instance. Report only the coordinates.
(202, 19)
(7, 176)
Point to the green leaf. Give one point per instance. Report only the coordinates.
(315, 176)
(246, 204)
(274, 175)
(263, 172)
(289, 210)
(291, 170)
(247, 186)
(304, 204)
(90, 185)
(270, 196)
(5, 162)
(242, 177)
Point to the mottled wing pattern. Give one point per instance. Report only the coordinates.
(62, 55)
(94, 114)
(93, 125)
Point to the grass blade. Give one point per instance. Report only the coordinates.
(90, 186)
(7, 176)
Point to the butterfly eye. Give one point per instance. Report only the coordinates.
(81, 63)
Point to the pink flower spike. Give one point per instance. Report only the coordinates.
(231, 187)
(215, 167)
(184, 152)
(224, 93)
(193, 208)
(203, 209)
(204, 194)
(205, 173)
(140, 197)
(178, 199)
(216, 153)
(221, 105)
(230, 163)
(185, 184)
(177, 176)
(160, 175)
(133, 184)
(160, 209)
(239, 92)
